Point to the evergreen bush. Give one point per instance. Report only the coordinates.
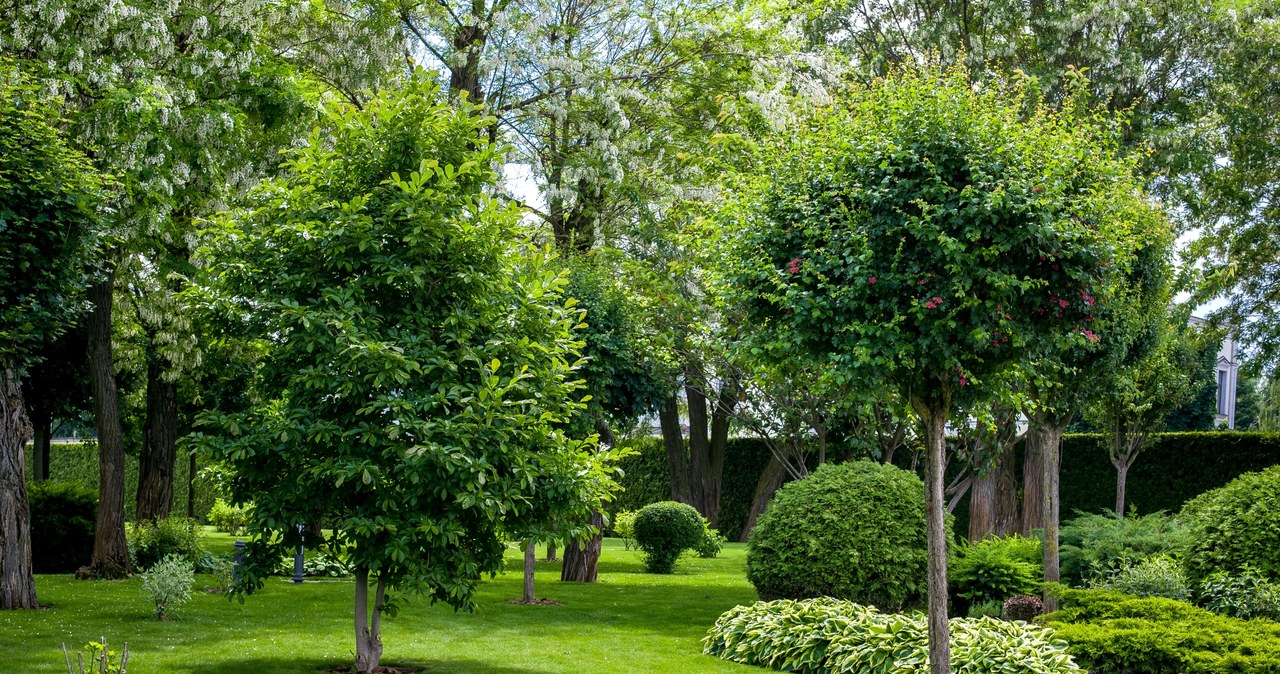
(665, 529)
(1235, 526)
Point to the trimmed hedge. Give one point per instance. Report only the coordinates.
(1114, 633)
(78, 462)
(63, 516)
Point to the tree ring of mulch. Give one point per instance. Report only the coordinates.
(382, 669)
(536, 602)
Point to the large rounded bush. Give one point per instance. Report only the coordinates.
(852, 531)
(665, 529)
(1235, 526)
(62, 521)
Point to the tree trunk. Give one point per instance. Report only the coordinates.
(1122, 474)
(368, 627)
(673, 442)
(726, 401)
(17, 584)
(933, 415)
(580, 559)
(530, 556)
(1032, 476)
(159, 447)
(1051, 452)
(768, 484)
(191, 485)
(1007, 512)
(982, 505)
(551, 552)
(110, 554)
(699, 446)
(41, 437)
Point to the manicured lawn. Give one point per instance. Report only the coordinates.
(628, 622)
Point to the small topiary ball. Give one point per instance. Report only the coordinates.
(1235, 526)
(852, 531)
(665, 529)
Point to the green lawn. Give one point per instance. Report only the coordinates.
(628, 622)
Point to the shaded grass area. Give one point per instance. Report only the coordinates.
(627, 622)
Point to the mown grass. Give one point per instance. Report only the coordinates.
(628, 622)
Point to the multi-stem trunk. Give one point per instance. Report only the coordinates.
(530, 557)
(368, 623)
(582, 557)
(17, 585)
(1051, 457)
(160, 445)
(933, 410)
(110, 553)
(768, 484)
(673, 443)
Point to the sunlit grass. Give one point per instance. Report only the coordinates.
(628, 622)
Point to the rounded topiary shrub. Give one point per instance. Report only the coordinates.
(1235, 526)
(62, 521)
(852, 531)
(665, 529)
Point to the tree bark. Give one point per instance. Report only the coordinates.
(982, 506)
(1122, 475)
(368, 627)
(551, 552)
(1032, 476)
(159, 447)
(673, 442)
(933, 413)
(768, 484)
(191, 485)
(530, 557)
(1051, 452)
(699, 445)
(110, 554)
(17, 584)
(726, 402)
(581, 558)
(1007, 511)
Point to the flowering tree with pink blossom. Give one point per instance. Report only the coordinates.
(934, 236)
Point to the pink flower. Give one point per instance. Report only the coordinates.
(937, 300)
(793, 267)
(1089, 335)
(872, 280)
(1062, 303)
(930, 305)
(921, 282)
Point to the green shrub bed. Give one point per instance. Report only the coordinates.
(821, 636)
(1113, 633)
(1235, 526)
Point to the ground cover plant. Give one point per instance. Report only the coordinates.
(821, 636)
(639, 623)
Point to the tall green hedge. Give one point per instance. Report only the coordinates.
(78, 462)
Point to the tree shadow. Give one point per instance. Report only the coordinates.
(323, 665)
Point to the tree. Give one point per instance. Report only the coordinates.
(1199, 412)
(931, 235)
(419, 360)
(48, 228)
(1248, 402)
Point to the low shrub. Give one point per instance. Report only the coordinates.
(1235, 526)
(1152, 577)
(853, 531)
(994, 569)
(222, 570)
(316, 565)
(1024, 607)
(987, 609)
(227, 518)
(1113, 633)
(821, 636)
(168, 583)
(62, 521)
(1093, 544)
(1242, 595)
(711, 543)
(149, 542)
(664, 530)
(624, 524)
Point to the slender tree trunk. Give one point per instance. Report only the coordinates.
(673, 442)
(530, 557)
(368, 627)
(191, 485)
(1032, 476)
(1051, 452)
(551, 552)
(580, 559)
(110, 554)
(726, 402)
(934, 416)
(1122, 475)
(17, 584)
(159, 447)
(768, 484)
(41, 438)
(699, 445)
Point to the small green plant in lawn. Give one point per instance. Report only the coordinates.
(101, 660)
(666, 529)
(624, 525)
(1152, 577)
(223, 572)
(227, 518)
(711, 543)
(168, 584)
(149, 542)
(1246, 594)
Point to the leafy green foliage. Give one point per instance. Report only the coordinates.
(820, 636)
(665, 529)
(1158, 576)
(711, 543)
(1094, 544)
(995, 569)
(992, 608)
(227, 518)
(149, 542)
(419, 360)
(1113, 632)
(623, 525)
(1245, 594)
(168, 584)
(62, 521)
(316, 565)
(852, 531)
(99, 659)
(1235, 526)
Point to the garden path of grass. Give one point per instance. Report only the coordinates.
(628, 622)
